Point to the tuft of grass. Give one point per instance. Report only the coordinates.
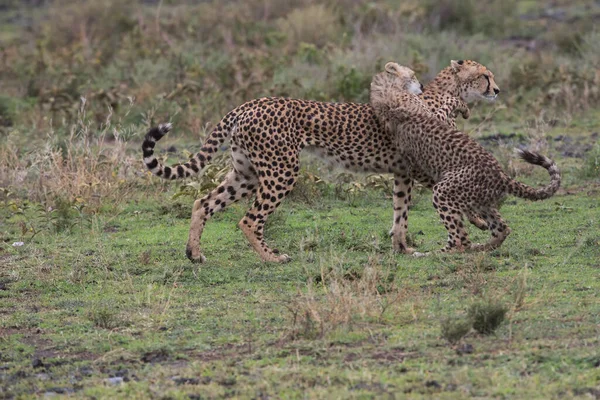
(104, 316)
(83, 163)
(342, 298)
(315, 24)
(454, 329)
(487, 316)
(591, 164)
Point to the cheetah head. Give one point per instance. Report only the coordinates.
(404, 78)
(475, 81)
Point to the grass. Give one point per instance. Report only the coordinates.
(120, 300)
(98, 300)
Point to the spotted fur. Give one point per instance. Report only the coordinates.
(394, 78)
(466, 178)
(267, 136)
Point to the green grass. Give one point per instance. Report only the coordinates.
(120, 300)
(101, 302)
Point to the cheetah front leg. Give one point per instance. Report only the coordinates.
(401, 198)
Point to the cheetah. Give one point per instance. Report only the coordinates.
(466, 178)
(445, 112)
(267, 136)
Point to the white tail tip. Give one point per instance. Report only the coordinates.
(165, 127)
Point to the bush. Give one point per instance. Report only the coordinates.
(104, 317)
(471, 17)
(315, 24)
(487, 316)
(454, 329)
(591, 166)
(339, 298)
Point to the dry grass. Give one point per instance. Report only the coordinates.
(87, 163)
(342, 299)
(316, 24)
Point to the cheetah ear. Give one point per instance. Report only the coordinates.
(456, 65)
(392, 68)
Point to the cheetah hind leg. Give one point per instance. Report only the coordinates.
(476, 220)
(267, 200)
(498, 229)
(458, 239)
(451, 216)
(234, 187)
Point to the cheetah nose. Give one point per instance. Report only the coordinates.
(496, 90)
(422, 87)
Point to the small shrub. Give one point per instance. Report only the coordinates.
(340, 299)
(7, 111)
(209, 178)
(452, 15)
(487, 316)
(591, 166)
(352, 85)
(471, 17)
(315, 24)
(454, 329)
(308, 187)
(104, 317)
(65, 214)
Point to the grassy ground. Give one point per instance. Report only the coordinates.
(98, 300)
(115, 310)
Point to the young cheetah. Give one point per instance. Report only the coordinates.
(467, 179)
(267, 136)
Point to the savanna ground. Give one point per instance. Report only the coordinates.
(98, 300)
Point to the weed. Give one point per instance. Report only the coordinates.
(144, 257)
(454, 329)
(309, 187)
(315, 24)
(591, 165)
(520, 292)
(207, 180)
(352, 85)
(487, 316)
(104, 316)
(341, 299)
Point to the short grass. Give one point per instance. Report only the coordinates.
(113, 309)
(99, 300)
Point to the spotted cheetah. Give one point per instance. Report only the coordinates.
(446, 111)
(467, 178)
(267, 136)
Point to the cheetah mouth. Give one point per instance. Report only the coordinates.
(490, 97)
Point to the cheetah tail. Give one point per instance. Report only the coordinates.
(527, 192)
(177, 171)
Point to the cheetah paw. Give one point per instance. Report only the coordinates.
(193, 258)
(284, 258)
(418, 254)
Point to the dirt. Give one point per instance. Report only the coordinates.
(573, 146)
